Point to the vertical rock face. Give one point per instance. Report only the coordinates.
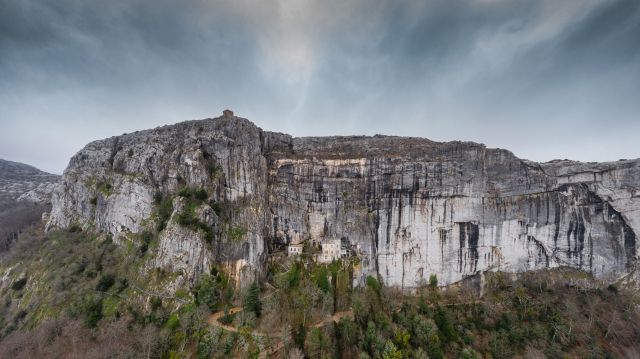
(409, 207)
(110, 186)
(412, 207)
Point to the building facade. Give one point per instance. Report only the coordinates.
(330, 250)
(295, 249)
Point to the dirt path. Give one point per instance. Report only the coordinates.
(335, 318)
(213, 320)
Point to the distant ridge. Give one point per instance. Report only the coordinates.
(17, 170)
(22, 182)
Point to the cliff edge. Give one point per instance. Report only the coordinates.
(223, 191)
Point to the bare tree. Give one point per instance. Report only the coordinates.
(77, 336)
(295, 353)
(148, 340)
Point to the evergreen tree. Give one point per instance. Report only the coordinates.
(226, 318)
(433, 280)
(322, 281)
(207, 291)
(252, 302)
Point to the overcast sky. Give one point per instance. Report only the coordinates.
(545, 79)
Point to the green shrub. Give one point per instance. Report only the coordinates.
(200, 194)
(173, 323)
(433, 349)
(210, 164)
(146, 238)
(445, 324)
(105, 282)
(322, 281)
(19, 284)
(237, 232)
(104, 187)
(94, 201)
(216, 208)
(19, 316)
(93, 312)
(228, 344)
(163, 213)
(293, 275)
(157, 198)
(121, 285)
(373, 283)
(335, 266)
(184, 192)
(300, 335)
(155, 303)
(433, 280)
(187, 219)
(226, 319)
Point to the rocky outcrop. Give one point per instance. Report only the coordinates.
(409, 207)
(111, 184)
(25, 199)
(25, 183)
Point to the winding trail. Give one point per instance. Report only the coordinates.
(335, 318)
(213, 320)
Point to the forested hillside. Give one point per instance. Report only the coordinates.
(71, 293)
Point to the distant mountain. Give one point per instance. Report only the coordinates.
(22, 182)
(25, 195)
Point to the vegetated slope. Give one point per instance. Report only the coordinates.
(76, 294)
(25, 194)
(407, 207)
(73, 293)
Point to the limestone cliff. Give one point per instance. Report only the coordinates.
(409, 207)
(110, 186)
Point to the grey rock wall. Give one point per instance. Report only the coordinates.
(121, 175)
(409, 207)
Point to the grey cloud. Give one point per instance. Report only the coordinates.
(507, 73)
